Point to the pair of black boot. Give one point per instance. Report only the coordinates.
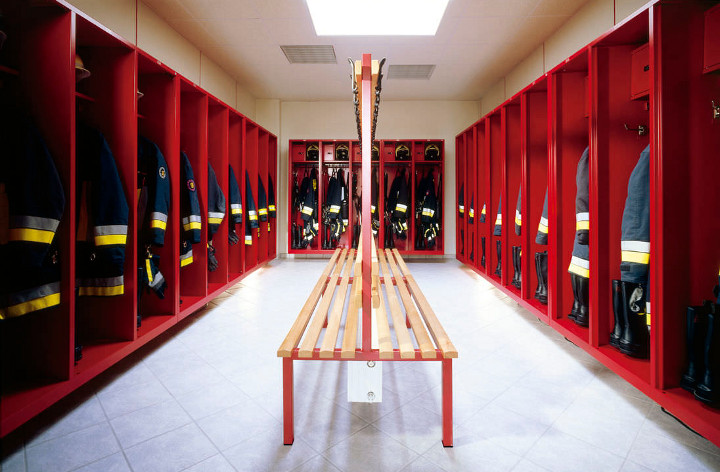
(517, 269)
(630, 334)
(498, 269)
(295, 237)
(541, 268)
(702, 350)
(580, 287)
(482, 246)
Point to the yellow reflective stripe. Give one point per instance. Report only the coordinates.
(542, 228)
(518, 221)
(31, 305)
(236, 211)
(31, 235)
(158, 224)
(149, 270)
(576, 269)
(186, 261)
(580, 225)
(637, 257)
(254, 217)
(498, 220)
(110, 239)
(192, 225)
(471, 213)
(262, 211)
(215, 221)
(271, 207)
(102, 291)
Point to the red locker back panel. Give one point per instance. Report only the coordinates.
(640, 73)
(711, 53)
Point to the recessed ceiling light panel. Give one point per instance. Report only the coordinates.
(376, 17)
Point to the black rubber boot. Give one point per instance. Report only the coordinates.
(707, 390)
(498, 269)
(619, 312)
(582, 286)
(516, 266)
(482, 246)
(575, 310)
(635, 340)
(541, 269)
(696, 331)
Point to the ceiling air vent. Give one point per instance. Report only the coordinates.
(413, 71)
(310, 54)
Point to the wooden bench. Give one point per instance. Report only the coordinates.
(316, 333)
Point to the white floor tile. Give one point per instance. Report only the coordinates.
(560, 452)
(113, 463)
(86, 414)
(173, 451)
(73, 450)
(663, 454)
(472, 453)
(370, 449)
(149, 422)
(216, 463)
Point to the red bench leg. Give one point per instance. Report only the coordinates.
(447, 410)
(288, 419)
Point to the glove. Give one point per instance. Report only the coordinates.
(233, 237)
(212, 261)
(152, 277)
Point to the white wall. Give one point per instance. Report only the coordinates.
(397, 120)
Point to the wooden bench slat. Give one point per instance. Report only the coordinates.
(349, 342)
(385, 347)
(436, 330)
(296, 331)
(427, 349)
(407, 350)
(328, 344)
(313, 332)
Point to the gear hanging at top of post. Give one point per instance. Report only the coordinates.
(356, 100)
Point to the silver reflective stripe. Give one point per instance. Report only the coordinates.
(215, 214)
(191, 219)
(158, 279)
(110, 229)
(156, 215)
(248, 237)
(33, 293)
(253, 212)
(102, 282)
(584, 216)
(34, 222)
(187, 255)
(580, 262)
(236, 206)
(518, 215)
(636, 246)
(543, 221)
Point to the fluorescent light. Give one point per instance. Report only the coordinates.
(376, 17)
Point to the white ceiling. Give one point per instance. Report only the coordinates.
(477, 43)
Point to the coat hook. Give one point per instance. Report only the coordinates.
(641, 129)
(716, 110)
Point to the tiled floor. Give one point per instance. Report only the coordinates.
(207, 397)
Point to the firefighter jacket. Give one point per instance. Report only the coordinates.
(309, 213)
(154, 186)
(32, 202)
(471, 211)
(398, 202)
(635, 229)
(582, 199)
(580, 261)
(262, 201)
(461, 201)
(482, 213)
(374, 195)
(344, 199)
(250, 204)
(271, 198)
(216, 203)
(541, 237)
(236, 213)
(102, 222)
(429, 224)
(518, 213)
(498, 219)
(191, 221)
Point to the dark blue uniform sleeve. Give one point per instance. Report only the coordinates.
(635, 229)
(251, 208)
(542, 233)
(236, 213)
(262, 201)
(518, 213)
(498, 219)
(216, 203)
(158, 205)
(191, 219)
(271, 197)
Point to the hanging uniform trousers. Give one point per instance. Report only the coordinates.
(102, 218)
(252, 219)
(429, 224)
(374, 195)
(482, 238)
(461, 214)
(331, 213)
(272, 211)
(541, 238)
(153, 208)
(236, 212)
(400, 202)
(216, 214)
(516, 250)
(630, 333)
(309, 213)
(262, 201)
(32, 202)
(580, 263)
(190, 219)
(498, 232)
(471, 220)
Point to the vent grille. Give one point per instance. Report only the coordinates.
(412, 71)
(310, 54)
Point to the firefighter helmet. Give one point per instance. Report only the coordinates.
(432, 152)
(402, 152)
(312, 152)
(341, 152)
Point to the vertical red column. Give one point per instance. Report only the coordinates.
(366, 196)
